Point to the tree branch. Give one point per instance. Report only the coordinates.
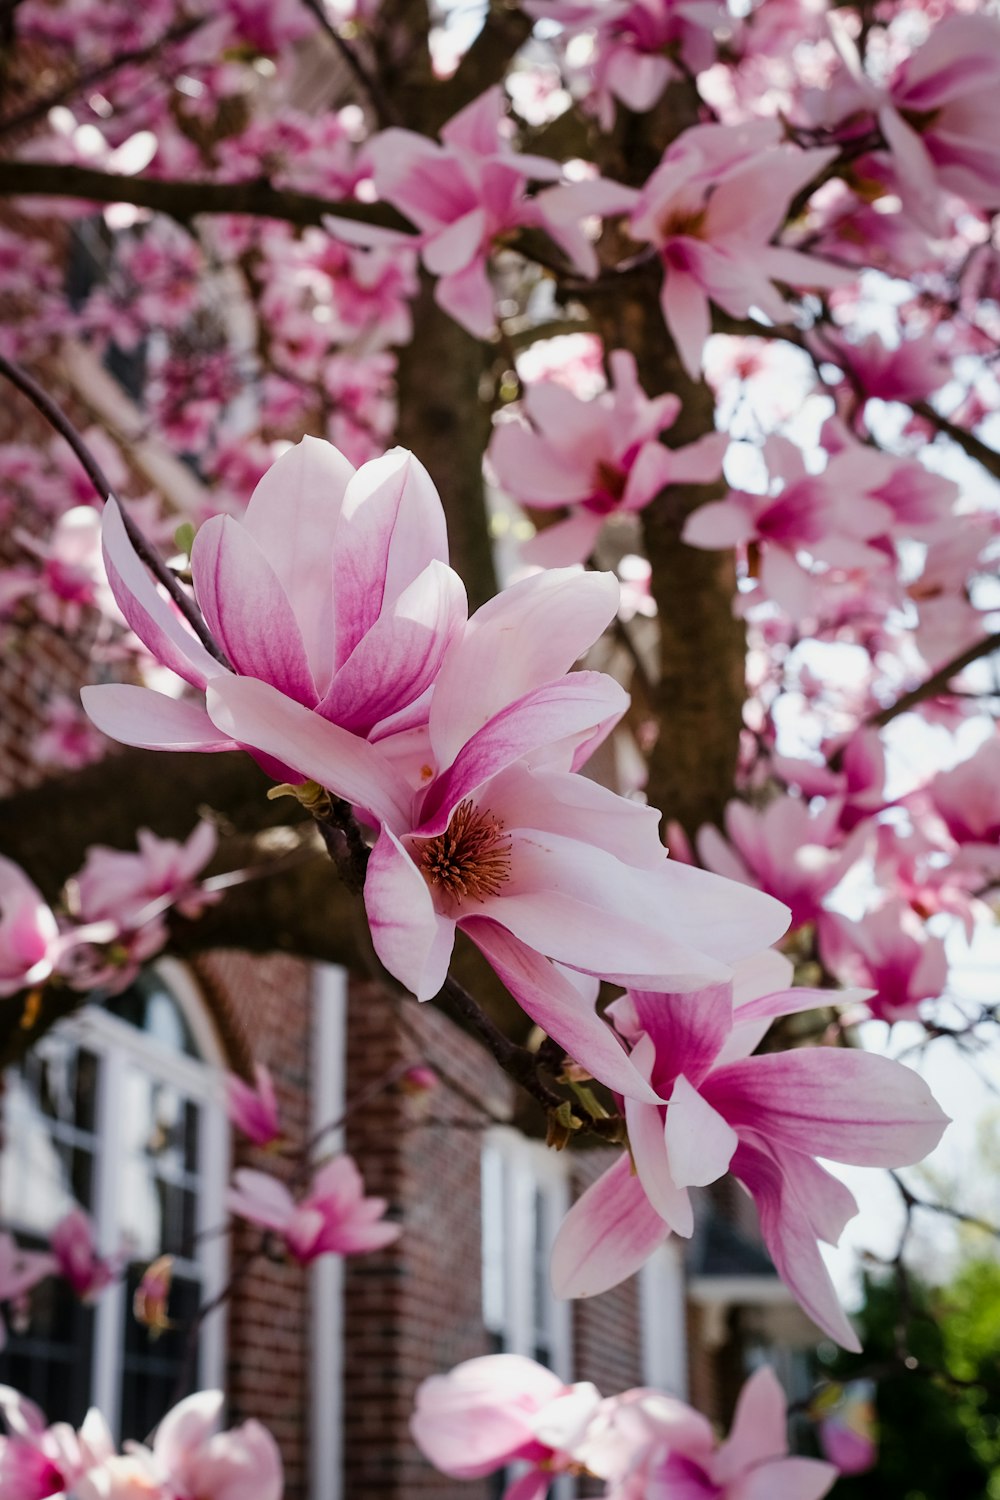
(58, 419)
(936, 683)
(971, 445)
(185, 200)
(31, 114)
(386, 112)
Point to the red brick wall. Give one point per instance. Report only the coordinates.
(414, 1310)
(607, 1333)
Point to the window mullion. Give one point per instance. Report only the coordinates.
(110, 1309)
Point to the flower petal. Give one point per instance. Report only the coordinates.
(400, 655)
(153, 618)
(700, 1143)
(607, 1234)
(528, 636)
(292, 516)
(247, 609)
(392, 525)
(556, 1005)
(411, 939)
(256, 714)
(150, 720)
(552, 714)
(849, 1105)
(792, 1244)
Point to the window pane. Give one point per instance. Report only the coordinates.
(157, 1371)
(50, 1359)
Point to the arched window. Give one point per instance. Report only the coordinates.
(118, 1109)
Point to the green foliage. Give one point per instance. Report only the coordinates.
(939, 1413)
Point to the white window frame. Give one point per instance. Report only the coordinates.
(326, 1275)
(119, 1047)
(663, 1310)
(528, 1171)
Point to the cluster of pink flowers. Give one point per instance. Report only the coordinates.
(504, 1409)
(114, 921)
(189, 1456)
(458, 742)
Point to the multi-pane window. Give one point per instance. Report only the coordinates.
(525, 1196)
(117, 1110)
(524, 1199)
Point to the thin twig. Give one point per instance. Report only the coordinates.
(383, 106)
(32, 113)
(936, 683)
(148, 554)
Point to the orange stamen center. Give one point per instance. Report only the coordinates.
(471, 859)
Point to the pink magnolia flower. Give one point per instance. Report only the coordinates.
(468, 192)
(497, 1410)
(73, 1245)
(545, 870)
(647, 1444)
(908, 371)
(635, 44)
(831, 517)
(967, 798)
(130, 889)
(598, 457)
(190, 1458)
(763, 1118)
(711, 209)
(938, 118)
(334, 588)
(37, 1461)
(68, 741)
(69, 581)
(254, 1111)
(20, 1270)
(889, 951)
(858, 783)
(29, 937)
(786, 849)
(334, 1218)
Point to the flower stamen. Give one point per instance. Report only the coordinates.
(471, 858)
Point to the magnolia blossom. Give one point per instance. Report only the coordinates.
(937, 115)
(908, 371)
(646, 1444)
(37, 1460)
(833, 517)
(635, 43)
(334, 1217)
(497, 1410)
(334, 588)
(712, 209)
(796, 854)
(764, 1118)
(254, 1111)
(889, 951)
(20, 1270)
(73, 1244)
(132, 888)
(967, 799)
(28, 932)
(468, 192)
(487, 829)
(190, 1457)
(599, 457)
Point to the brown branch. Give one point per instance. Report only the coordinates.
(32, 113)
(974, 447)
(185, 200)
(383, 106)
(58, 419)
(936, 683)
